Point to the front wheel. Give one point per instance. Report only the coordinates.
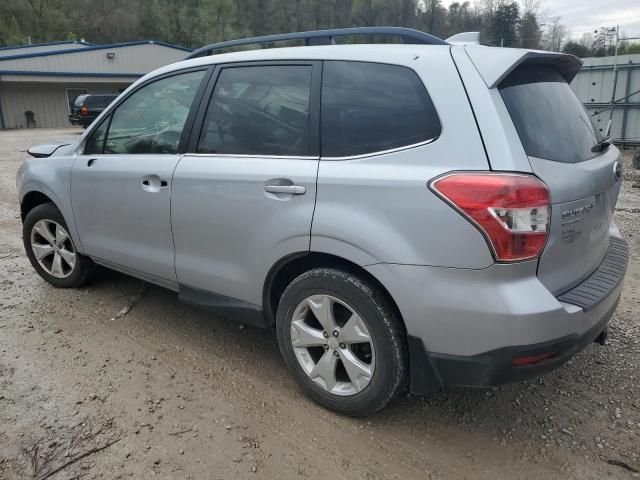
(51, 250)
(342, 341)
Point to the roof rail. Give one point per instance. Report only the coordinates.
(324, 37)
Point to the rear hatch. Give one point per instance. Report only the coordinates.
(561, 144)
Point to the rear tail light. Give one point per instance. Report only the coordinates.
(511, 210)
(84, 111)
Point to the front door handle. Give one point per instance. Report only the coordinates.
(153, 183)
(289, 189)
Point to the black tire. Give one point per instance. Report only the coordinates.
(79, 274)
(385, 328)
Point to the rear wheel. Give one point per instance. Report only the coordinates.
(51, 250)
(342, 340)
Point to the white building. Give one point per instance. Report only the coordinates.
(46, 78)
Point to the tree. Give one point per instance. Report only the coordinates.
(554, 35)
(577, 49)
(530, 32)
(366, 12)
(10, 34)
(217, 18)
(505, 24)
(193, 23)
(631, 48)
(432, 17)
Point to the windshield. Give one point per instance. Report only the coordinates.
(549, 118)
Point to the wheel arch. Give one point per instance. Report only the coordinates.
(31, 200)
(423, 375)
(293, 265)
(37, 194)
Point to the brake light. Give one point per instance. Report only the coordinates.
(511, 210)
(84, 111)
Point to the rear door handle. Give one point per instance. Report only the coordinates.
(290, 189)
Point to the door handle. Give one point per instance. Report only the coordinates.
(153, 183)
(163, 183)
(91, 162)
(290, 189)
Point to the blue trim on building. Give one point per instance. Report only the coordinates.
(31, 73)
(47, 44)
(93, 48)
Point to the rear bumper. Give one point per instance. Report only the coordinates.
(466, 327)
(82, 121)
(496, 367)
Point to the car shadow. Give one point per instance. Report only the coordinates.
(527, 408)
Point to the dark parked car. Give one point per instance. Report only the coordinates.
(87, 107)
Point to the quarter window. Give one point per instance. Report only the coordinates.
(151, 119)
(372, 107)
(262, 110)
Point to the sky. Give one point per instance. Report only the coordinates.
(582, 16)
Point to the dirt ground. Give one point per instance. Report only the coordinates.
(185, 395)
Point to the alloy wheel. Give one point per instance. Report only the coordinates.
(332, 345)
(53, 248)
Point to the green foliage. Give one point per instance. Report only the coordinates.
(630, 49)
(193, 23)
(504, 24)
(10, 32)
(577, 49)
(530, 32)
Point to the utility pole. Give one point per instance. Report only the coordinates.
(615, 80)
(604, 34)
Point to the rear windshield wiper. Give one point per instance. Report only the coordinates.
(601, 146)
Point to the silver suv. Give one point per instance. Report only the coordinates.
(402, 215)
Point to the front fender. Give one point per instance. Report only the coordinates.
(52, 178)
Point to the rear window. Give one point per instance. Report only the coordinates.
(372, 107)
(99, 101)
(549, 118)
(79, 99)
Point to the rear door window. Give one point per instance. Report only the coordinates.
(549, 118)
(259, 110)
(373, 107)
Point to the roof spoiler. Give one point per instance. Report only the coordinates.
(494, 64)
(464, 38)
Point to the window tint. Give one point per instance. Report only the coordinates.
(371, 107)
(99, 101)
(259, 111)
(79, 99)
(549, 118)
(95, 143)
(151, 120)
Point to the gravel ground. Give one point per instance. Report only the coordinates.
(169, 391)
